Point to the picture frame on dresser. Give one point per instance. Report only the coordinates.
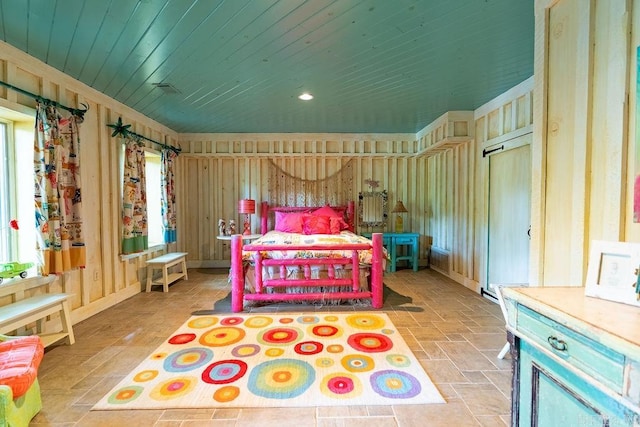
(612, 272)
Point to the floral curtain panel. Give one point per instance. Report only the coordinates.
(168, 195)
(135, 236)
(58, 201)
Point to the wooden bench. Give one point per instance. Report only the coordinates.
(35, 309)
(164, 263)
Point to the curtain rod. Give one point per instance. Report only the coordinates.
(75, 111)
(120, 129)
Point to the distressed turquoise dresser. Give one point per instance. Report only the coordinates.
(576, 359)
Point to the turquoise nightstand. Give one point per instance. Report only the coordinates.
(391, 241)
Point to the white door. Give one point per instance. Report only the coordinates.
(509, 212)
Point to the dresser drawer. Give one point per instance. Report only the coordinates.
(591, 357)
(405, 240)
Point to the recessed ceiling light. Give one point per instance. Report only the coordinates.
(306, 96)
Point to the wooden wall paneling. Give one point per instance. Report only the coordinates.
(212, 203)
(230, 189)
(191, 187)
(182, 234)
(442, 183)
(421, 221)
(113, 219)
(254, 186)
(476, 214)
(436, 200)
(508, 117)
(264, 167)
(465, 189)
(453, 194)
(608, 122)
(481, 207)
(203, 214)
(28, 81)
(632, 229)
(411, 195)
(91, 205)
(322, 169)
(472, 214)
(448, 193)
(568, 89)
(458, 207)
(383, 166)
(466, 186)
(430, 169)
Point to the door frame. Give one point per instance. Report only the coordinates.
(514, 141)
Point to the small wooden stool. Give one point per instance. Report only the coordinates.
(164, 262)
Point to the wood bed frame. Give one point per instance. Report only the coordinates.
(356, 291)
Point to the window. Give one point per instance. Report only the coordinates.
(7, 243)
(153, 177)
(16, 187)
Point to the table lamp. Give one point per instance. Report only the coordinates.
(399, 209)
(246, 207)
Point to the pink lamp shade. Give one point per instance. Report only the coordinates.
(246, 207)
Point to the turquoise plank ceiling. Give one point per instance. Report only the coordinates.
(381, 66)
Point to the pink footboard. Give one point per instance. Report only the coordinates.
(238, 294)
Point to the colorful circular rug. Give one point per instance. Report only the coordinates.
(263, 360)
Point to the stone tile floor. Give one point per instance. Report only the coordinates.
(455, 333)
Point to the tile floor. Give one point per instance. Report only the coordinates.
(455, 333)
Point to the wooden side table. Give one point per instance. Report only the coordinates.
(392, 240)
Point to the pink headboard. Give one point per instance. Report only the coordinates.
(347, 211)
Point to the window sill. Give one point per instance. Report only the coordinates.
(12, 286)
(149, 251)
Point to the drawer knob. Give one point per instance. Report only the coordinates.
(557, 344)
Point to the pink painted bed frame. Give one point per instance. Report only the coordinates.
(238, 295)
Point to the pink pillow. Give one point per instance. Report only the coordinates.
(316, 224)
(289, 222)
(337, 224)
(326, 211)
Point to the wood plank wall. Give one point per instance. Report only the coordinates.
(431, 172)
(107, 279)
(583, 159)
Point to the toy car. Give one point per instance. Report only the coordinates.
(13, 269)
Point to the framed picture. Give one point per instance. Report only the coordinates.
(612, 273)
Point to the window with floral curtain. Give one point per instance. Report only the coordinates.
(168, 196)
(58, 201)
(135, 236)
